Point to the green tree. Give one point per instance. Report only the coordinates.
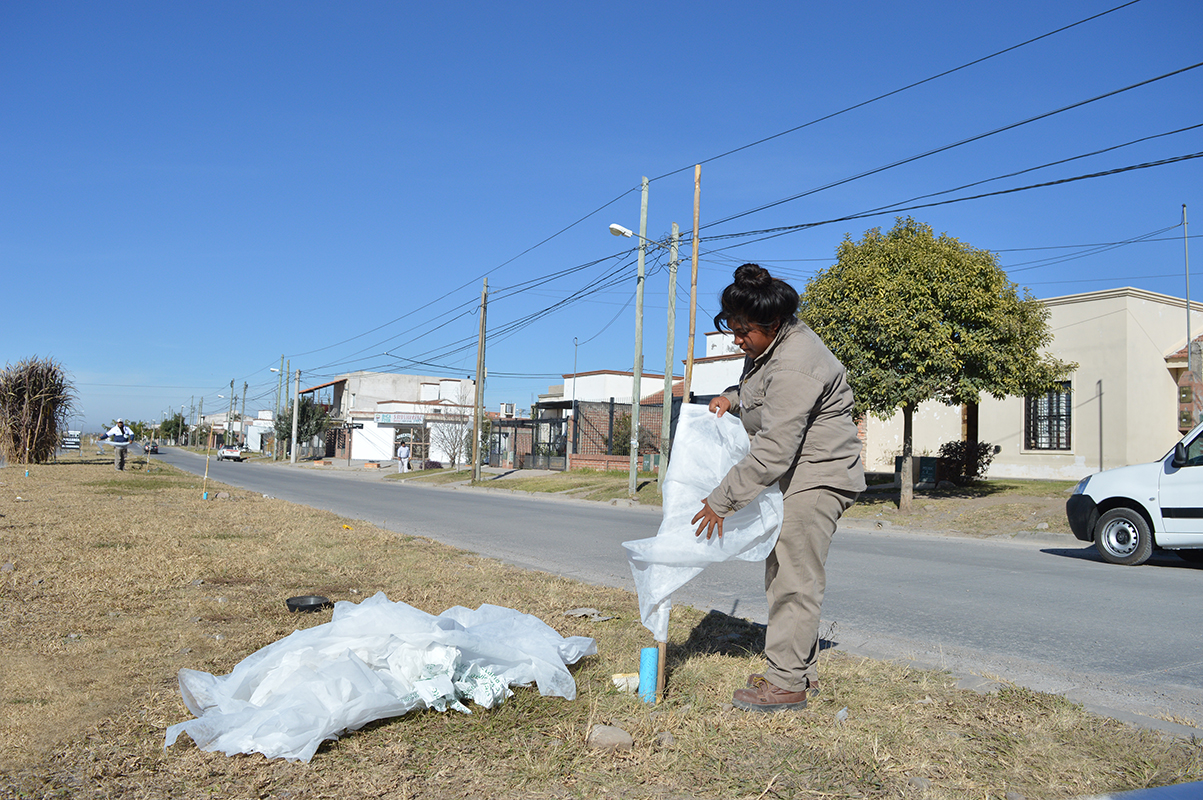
(36, 400)
(312, 420)
(174, 427)
(917, 317)
(622, 437)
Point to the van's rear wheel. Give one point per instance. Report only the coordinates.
(1122, 537)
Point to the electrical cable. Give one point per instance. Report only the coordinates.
(947, 147)
(898, 91)
(769, 233)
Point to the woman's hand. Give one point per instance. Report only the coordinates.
(709, 521)
(720, 405)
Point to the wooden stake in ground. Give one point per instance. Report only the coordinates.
(662, 647)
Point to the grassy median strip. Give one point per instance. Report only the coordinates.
(112, 582)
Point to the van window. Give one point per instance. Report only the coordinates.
(1194, 452)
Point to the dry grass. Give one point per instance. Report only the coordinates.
(119, 580)
(986, 508)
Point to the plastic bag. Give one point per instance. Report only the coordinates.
(373, 660)
(704, 450)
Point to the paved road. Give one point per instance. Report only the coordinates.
(1043, 612)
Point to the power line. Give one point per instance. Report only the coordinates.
(769, 233)
(596, 211)
(951, 146)
(898, 91)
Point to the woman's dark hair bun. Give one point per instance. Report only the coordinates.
(757, 297)
(753, 276)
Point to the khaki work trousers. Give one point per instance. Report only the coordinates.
(795, 578)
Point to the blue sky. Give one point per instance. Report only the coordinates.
(189, 191)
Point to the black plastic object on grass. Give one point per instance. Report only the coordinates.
(309, 602)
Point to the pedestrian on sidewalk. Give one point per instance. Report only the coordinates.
(121, 437)
(795, 402)
(403, 457)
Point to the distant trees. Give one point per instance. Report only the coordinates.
(622, 437)
(917, 317)
(36, 399)
(174, 427)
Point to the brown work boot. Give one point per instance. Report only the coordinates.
(812, 687)
(766, 697)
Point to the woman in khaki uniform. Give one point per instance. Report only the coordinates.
(796, 405)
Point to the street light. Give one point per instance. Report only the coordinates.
(619, 230)
(666, 413)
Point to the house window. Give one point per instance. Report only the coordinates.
(1046, 419)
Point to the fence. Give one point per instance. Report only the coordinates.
(600, 437)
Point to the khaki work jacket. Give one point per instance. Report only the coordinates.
(796, 405)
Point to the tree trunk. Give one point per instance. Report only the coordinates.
(969, 468)
(906, 493)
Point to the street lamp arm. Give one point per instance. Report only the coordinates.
(619, 230)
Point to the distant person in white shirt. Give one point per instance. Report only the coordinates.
(120, 436)
(403, 457)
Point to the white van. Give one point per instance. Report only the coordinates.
(1128, 511)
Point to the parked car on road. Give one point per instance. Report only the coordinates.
(229, 452)
(1130, 511)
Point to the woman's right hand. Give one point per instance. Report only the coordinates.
(720, 405)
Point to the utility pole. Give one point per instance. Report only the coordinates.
(179, 434)
(192, 415)
(666, 415)
(284, 401)
(242, 426)
(200, 419)
(230, 415)
(693, 283)
(276, 411)
(296, 395)
(478, 400)
(638, 371)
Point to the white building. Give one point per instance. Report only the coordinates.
(1119, 407)
(390, 406)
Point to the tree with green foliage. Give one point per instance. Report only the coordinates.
(916, 317)
(622, 437)
(312, 420)
(174, 427)
(36, 399)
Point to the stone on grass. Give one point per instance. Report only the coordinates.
(608, 737)
(919, 782)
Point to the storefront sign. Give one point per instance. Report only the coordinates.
(399, 419)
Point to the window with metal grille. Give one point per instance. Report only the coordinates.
(1046, 419)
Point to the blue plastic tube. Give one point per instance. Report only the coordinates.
(649, 666)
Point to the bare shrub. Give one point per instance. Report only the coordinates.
(35, 401)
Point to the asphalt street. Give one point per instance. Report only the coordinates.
(1041, 611)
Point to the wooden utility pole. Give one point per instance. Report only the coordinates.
(229, 416)
(638, 368)
(693, 283)
(666, 414)
(296, 399)
(478, 398)
(242, 425)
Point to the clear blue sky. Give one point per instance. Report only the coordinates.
(191, 190)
